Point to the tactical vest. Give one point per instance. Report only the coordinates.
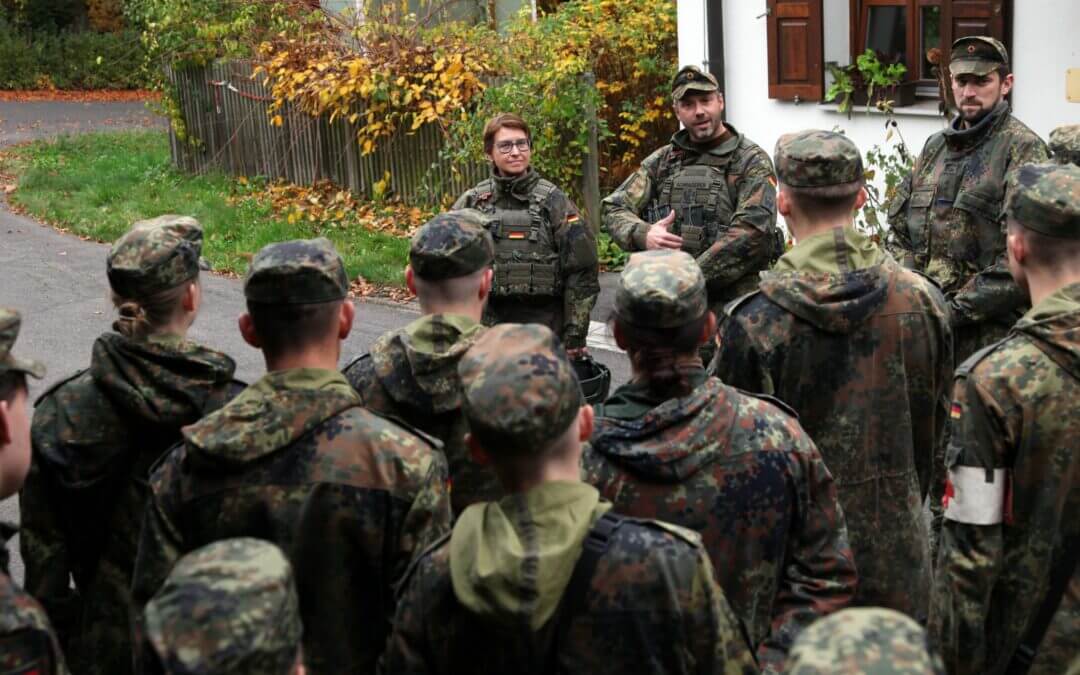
(700, 196)
(526, 258)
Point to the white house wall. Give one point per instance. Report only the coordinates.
(1045, 45)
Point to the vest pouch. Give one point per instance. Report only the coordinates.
(985, 238)
(694, 239)
(530, 275)
(919, 204)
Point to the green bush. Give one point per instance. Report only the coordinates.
(70, 60)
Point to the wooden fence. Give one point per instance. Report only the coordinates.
(226, 111)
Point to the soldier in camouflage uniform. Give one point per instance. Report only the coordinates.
(679, 446)
(864, 641)
(710, 192)
(861, 348)
(27, 642)
(546, 266)
(227, 608)
(1014, 470)
(295, 459)
(1065, 144)
(547, 579)
(97, 433)
(411, 373)
(948, 220)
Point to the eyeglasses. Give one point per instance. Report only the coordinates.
(504, 147)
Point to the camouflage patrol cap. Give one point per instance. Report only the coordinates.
(520, 390)
(692, 78)
(297, 272)
(1046, 198)
(230, 607)
(1065, 144)
(870, 641)
(451, 245)
(155, 255)
(977, 55)
(661, 289)
(10, 322)
(818, 159)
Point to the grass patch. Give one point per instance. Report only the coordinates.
(96, 185)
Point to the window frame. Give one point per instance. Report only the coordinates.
(859, 18)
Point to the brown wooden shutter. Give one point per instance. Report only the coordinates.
(796, 55)
(976, 17)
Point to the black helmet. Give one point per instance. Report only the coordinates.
(595, 379)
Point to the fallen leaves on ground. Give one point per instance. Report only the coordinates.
(331, 206)
(362, 288)
(97, 96)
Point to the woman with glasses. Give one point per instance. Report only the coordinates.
(546, 268)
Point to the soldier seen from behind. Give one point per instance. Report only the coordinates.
(546, 266)
(1065, 144)
(861, 348)
(228, 608)
(864, 641)
(680, 446)
(548, 579)
(710, 192)
(27, 642)
(1007, 588)
(411, 373)
(948, 220)
(349, 496)
(97, 433)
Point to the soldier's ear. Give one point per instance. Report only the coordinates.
(485, 284)
(783, 203)
(410, 279)
(617, 333)
(860, 199)
(346, 316)
(247, 330)
(1017, 247)
(5, 423)
(585, 420)
(708, 329)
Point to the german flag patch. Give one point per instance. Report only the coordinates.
(572, 218)
(956, 411)
(517, 234)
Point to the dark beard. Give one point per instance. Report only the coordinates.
(978, 117)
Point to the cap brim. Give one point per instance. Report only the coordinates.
(692, 86)
(35, 369)
(972, 67)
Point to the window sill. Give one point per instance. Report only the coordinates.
(923, 108)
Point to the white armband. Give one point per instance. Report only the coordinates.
(973, 499)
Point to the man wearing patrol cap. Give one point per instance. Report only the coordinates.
(411, 373)
(710, 192)
(97, 433)
(947, 221)
(677, 445)
(349, 496)
(27, 641)
(861, 349)
(228, 608)
(1009, 546)
(548, 579)
(1065, 144)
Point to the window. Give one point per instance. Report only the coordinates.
(905, 30)
(902, 30)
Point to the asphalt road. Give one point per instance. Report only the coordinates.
(57, 281)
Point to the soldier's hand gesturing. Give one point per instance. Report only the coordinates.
(659, 237)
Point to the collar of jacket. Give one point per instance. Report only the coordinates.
(839, 250)
(681, 140)
(520, 186)
(959, 138)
